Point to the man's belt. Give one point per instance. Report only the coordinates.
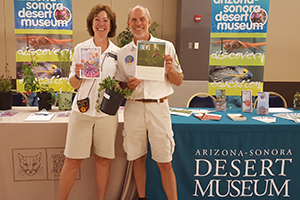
(152, 100)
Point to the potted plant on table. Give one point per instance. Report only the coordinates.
(112, 97)
(65, 96)
(66, 92)
(5, 90)
(46, 95)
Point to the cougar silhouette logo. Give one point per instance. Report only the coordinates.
(30, 165)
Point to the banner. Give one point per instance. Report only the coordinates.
(237, 47)
(44, 29)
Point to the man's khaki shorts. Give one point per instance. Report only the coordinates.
(148, 121)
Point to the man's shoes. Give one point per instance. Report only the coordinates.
(144, 198)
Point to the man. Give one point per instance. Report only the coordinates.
(146, 114)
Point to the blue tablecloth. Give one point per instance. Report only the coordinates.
(232, 159)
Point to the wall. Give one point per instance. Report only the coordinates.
(282, 61)
(195, 62)
(282, 71)
(2, 38)
(282, 55)
(5, 41)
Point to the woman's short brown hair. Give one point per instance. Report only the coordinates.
(111, 15)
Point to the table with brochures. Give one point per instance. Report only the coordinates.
(229, 159)
(31, 158)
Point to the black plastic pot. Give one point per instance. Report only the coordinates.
(111, 102)
(44, 100)
(5, 100)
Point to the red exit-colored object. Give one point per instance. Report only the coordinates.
(197, 18)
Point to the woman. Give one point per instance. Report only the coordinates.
(88, 128)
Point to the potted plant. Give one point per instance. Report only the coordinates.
(5, 90)
(46, 95)
(112, 97)
(65, 96)
(66, 93)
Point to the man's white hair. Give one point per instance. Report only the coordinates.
(141, 7)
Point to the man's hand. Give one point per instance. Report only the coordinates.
(169, 63)
(174, 77)
(132, 83)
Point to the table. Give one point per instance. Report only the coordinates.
(41, 145)
(232, 159)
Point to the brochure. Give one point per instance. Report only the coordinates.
(265, 119)
(8, 113)
(90, 58)
(236, 117)
(201, 111)
(263, 103)
(208, 116)
(247, 104)
(150, 62)
(38, 117)
(220, 100)
(63, 114)
(279, 110)
(291, 116)
(180, 111)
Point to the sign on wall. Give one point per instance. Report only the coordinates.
(237, 47)
(44, 29)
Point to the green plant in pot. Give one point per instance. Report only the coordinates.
(113, 96)
(5, 90)
(65, 96)
(46, 95)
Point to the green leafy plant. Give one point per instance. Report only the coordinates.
(113, 85)
(125, 37)
(32, 82)
(5, 84)
(152, 28)
(65, 60)
(5, 81)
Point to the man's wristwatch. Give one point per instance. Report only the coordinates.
(77, 77)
